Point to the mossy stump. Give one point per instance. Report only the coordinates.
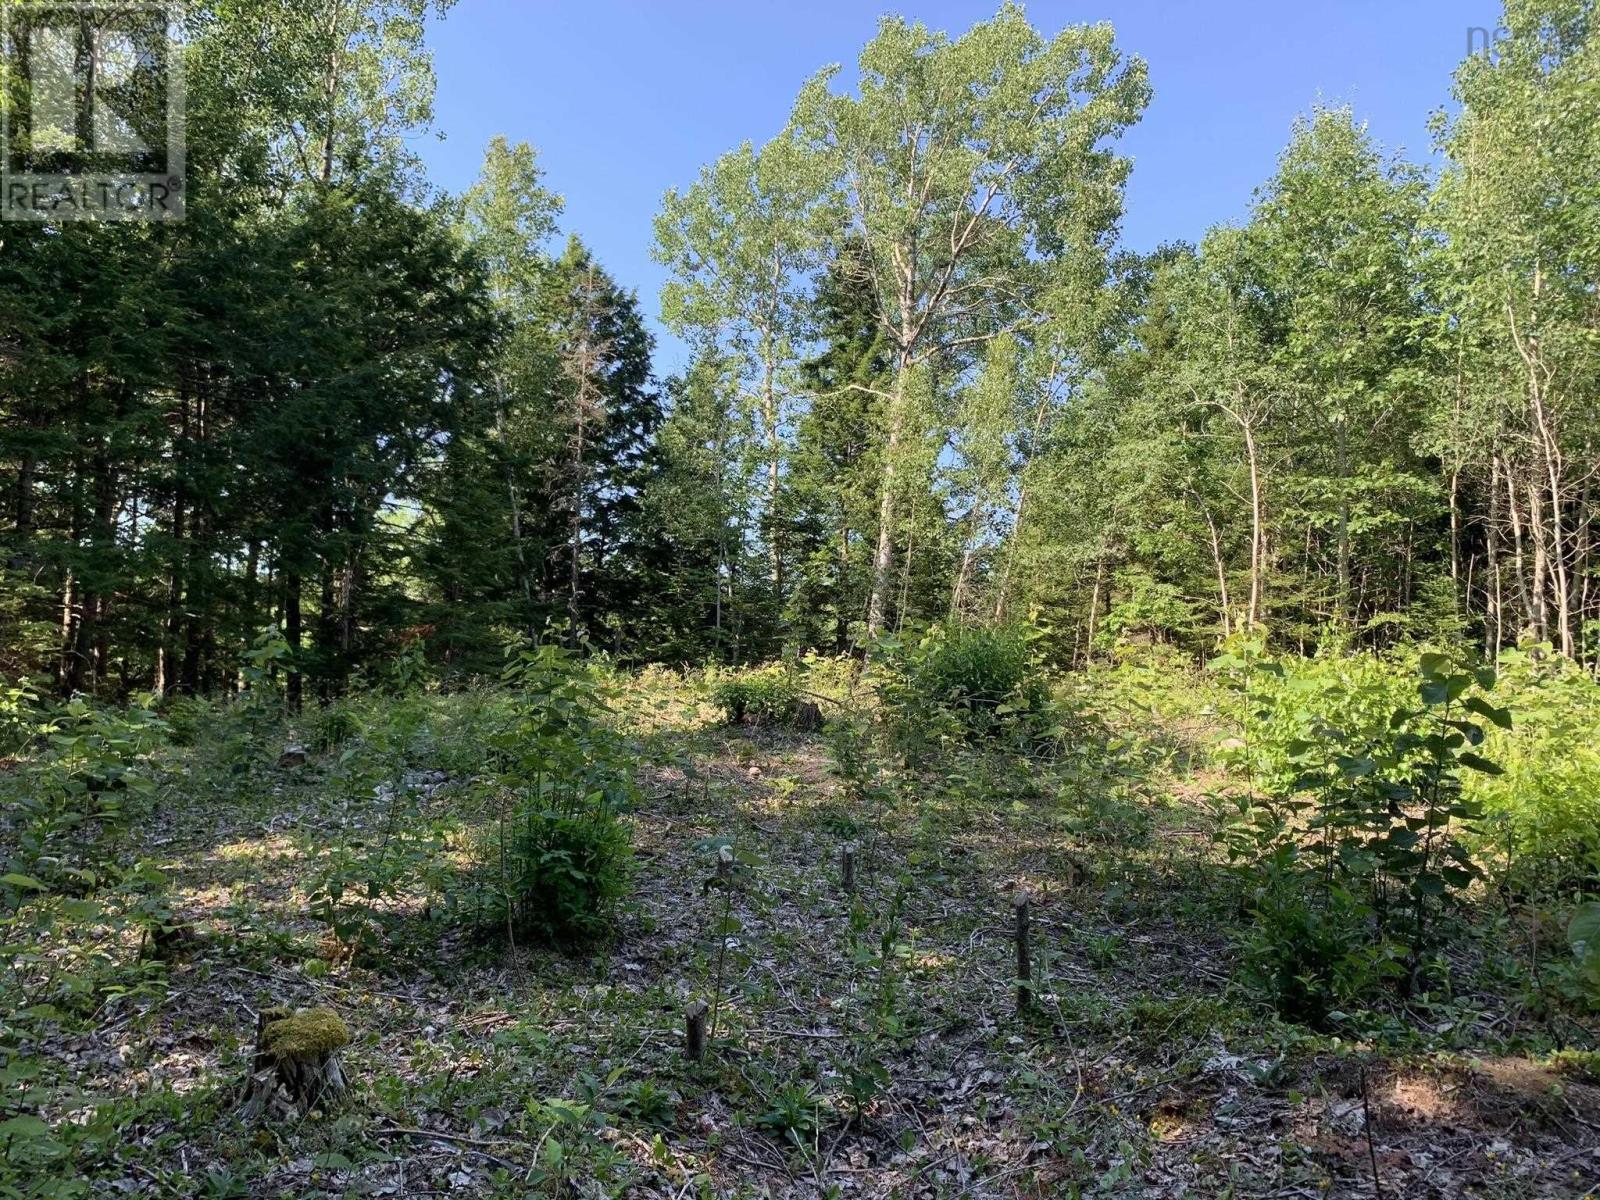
(297, 1056)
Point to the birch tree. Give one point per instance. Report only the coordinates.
(741, 243)
(1521, 207)
(967, 167)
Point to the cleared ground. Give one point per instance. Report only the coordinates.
(865, 1045)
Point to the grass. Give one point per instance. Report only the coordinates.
(858, 1053)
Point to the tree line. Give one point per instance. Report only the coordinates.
(926, 382)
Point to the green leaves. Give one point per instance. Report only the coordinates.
(1500, 717)
(22, 1128)
(1366, 804)
(1478, 763)
(1583, 935)
(1583, 931)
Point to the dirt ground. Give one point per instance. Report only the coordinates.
(865, 1045)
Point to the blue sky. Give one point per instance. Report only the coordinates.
(625, 98)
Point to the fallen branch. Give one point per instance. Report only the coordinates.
(472, 1145)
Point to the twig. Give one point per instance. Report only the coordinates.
(1366, 1121)
(470, 1145)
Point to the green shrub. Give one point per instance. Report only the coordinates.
(649, 1103)
(1582, 1065)
(188, 718)
(566, 872)
(558, 858)
(1539, 833)
(1542, 814)
(966, 682)
(761, 695)
(979, 669)
(1356, 846)
(833, 676)
(1312, 951)
(334, 725)
(797, 1112)
(69, 804)
(1583, 935)
(356, 873)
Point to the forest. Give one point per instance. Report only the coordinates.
(1012, 716)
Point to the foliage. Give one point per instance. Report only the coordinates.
(20, 715)
(334, 725)
(796, 1112)
(356, 877)
(566, 873)
(560, 854)
(966, 681)
(352, 437)
(923, 386)
(1542, 827)
(1583, 935)
(70, 804)
(735, 867)
(1356, 847)
(758, 695)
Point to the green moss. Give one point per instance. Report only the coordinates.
(305, 1034)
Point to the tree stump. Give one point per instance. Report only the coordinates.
(807, 716)
(694, 1022)
(170, 941)
(1019, 905)
(297, 1057)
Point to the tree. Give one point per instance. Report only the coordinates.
(695, 508)
(508, 216)
(965, 168)
(603, 415)
(1520, 204)
(1338, 233)
(740, 244)
(832, 488)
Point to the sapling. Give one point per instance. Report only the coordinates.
(730, 865)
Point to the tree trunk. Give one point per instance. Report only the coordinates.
(1094, 606)
(1496, 600)
(294, 690)
(883, 559)
(772, 419)
(1541, 563)
(1258, 534)
(1222, 573)
(514, 498)
(1341, 606)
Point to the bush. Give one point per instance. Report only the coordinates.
(1542, 826)
(833, 676)
(188, 717)
(1312, 951)
(334, 725)
(1356, 849)
(558, 859)
(566, 872)
(68, 805)
(964, 681)
(761, 695)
